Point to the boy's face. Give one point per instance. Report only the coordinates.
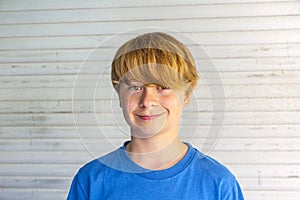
(150, 109)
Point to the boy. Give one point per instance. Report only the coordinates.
(154, 75)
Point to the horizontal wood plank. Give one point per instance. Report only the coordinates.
(98, 37)
(249, 49)
(274, 195)
(33, 194)
(93, 20)
(202, 105)
(68, 170)
(288, 184)
(7, 5)
(47, 194)
(77, 94)
(187, 11)
(220, 65)
(64, 132)
(86, 80)
(116, 119)
(105, 54)
(77, 144)
(81, 157)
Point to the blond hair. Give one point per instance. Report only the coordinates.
(155, 58)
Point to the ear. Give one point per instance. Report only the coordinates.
(119, 98)
(187, 98)
(120, 103)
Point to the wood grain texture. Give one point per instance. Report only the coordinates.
(54, 71)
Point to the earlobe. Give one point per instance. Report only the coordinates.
(187, 99)
(120, 102)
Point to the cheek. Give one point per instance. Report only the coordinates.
(123, 99)
(128, 103)
(172, 103)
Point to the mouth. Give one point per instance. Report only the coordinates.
(149, 117)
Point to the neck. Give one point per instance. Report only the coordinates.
(156, 153)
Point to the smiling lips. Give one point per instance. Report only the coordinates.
(149, 117)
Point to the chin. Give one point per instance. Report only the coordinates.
(145, 131)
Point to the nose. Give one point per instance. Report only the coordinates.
(149, 97)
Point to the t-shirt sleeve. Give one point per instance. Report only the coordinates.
(76, 191)
(235, 193)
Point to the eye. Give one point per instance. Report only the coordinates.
(161, 87)
(135, 88)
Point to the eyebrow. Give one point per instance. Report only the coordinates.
(133, 81)
(129, 82)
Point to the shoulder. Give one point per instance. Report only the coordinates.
(96, 170)
(91, 167)
(212, 167)
(218, 176)
(90, 177)
(98, 165)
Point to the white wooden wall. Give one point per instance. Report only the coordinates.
(255, 44)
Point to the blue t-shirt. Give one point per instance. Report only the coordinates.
(115, 176)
